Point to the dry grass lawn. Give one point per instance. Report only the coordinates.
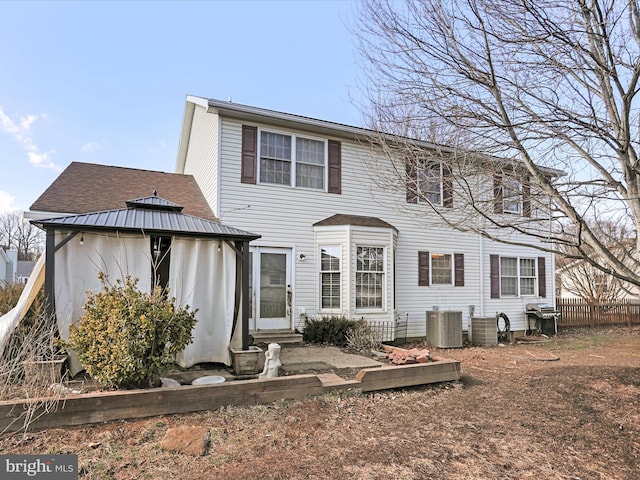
(565, 409)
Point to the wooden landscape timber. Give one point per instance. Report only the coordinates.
(98, 407)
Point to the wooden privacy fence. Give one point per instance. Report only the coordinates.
(578, 313)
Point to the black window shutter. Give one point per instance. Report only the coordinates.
(458, 269)
(542, 278)
(497, 194)
(494, 264)
(447, 187)
(526, 198)
(248, 167)
(335, 167)
(423, 269)
(411, 181)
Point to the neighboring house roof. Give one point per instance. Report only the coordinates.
(149, 214)
(25, 267)
(88, 187)
(359, 220)
(273, 117)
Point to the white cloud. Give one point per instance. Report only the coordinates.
(7, 202)
(21, 133)
(92, 146)
(43, 160)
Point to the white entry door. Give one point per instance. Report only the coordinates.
(270, 288)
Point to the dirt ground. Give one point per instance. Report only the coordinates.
(568, 408)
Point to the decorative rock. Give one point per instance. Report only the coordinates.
(169, 382)
(208, 380)
(190, 440)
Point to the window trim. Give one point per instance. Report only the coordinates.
(293, 161)
(519, 277)
(321, 308)
(384, 273)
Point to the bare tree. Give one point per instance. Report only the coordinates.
(591, 284)
(528, 110)
(17, 233)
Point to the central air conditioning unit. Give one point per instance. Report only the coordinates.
(444, 329)
(484, 331)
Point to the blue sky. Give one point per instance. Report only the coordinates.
(106, 82)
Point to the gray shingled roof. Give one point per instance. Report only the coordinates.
(148, 214)
(359, 220)
(89, 187)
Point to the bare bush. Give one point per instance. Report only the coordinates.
(22, 375)
(362, 338)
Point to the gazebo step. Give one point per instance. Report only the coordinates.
(286, 337)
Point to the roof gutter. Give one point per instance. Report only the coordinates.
(333, 129)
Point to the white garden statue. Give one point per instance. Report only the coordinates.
(271, 362)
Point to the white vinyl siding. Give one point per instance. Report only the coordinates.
(285, 216)
(202, 156)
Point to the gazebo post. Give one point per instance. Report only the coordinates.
(49, 273)
(246, 305)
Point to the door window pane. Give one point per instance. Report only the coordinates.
(273, 288)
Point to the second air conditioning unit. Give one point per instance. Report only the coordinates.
(444, 329)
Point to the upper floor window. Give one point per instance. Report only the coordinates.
(430, 182)
(281, 159)
(511, 196)
(284, 158)
(330, 291)
(370, 277)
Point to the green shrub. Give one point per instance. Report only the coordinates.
(127, 338)
(331, 330)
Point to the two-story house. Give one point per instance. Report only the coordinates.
(334, 244)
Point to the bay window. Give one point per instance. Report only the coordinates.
(330, 283)
(370, 277)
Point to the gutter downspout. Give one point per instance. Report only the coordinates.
(482, 276)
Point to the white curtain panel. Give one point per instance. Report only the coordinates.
(202, 275)
(78, 263)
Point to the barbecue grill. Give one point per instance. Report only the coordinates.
(542, 318)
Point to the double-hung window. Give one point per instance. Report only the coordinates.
(370, 277)
(430, 182)
(518, 276)
(441, 269)
(512, 196)
(330, 291)
(292, 160)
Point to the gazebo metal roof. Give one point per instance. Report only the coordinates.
(148, 214)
